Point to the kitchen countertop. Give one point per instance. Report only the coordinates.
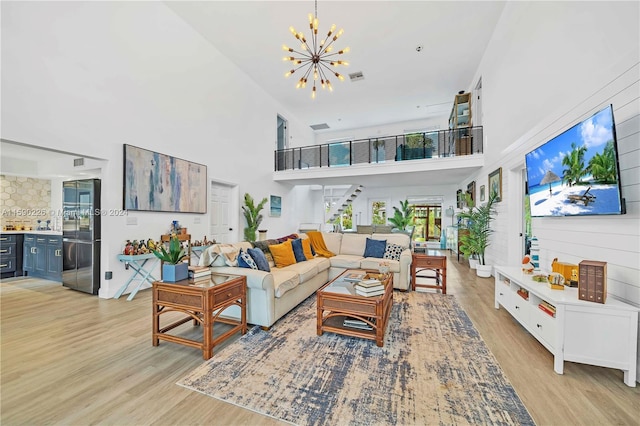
(34, 232)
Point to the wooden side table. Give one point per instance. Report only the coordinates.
(203, 301)
(420, 263)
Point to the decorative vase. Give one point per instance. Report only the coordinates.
(174, 273)
(483, 271)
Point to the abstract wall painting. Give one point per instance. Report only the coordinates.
(162, 183)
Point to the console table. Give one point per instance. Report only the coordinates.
(139, 265)
(602, 334)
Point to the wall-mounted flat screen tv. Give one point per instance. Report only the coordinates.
(577, 172)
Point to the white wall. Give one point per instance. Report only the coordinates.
(88, 77)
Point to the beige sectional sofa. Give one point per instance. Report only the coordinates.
(270, 295)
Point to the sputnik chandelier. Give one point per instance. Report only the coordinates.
(316, 57)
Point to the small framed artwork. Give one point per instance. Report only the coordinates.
(495, 183)
(275, 205)
(471, 190)
(459, 199)
(481, 193)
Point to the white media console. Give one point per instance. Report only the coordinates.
(590, 333)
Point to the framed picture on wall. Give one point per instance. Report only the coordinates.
(471, 190)
(481, 193)
(495, 183)
(162, 183)
(459, 199)
(275, 206)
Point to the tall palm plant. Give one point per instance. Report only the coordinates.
(478, 223)
(403, 216)
(252, 216)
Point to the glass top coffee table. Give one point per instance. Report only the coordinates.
(341, 310)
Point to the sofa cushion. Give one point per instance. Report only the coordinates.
(348, 261)
(305, 270)
(333, 241)
(298, 251)
(393, 251)
(322, 263)
(374, 263)
(282, 254)
(259, 258)
(284, 280)
(353, 244)
(246, 261)
(375, 248)
(395, 238)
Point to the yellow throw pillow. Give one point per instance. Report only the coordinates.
(282, 254)
(306, 249)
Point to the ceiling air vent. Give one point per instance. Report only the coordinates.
(77, 162)
(356, 76)
(321, 126)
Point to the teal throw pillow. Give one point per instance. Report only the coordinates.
(298, 251)
(375, 248)
(260, 259)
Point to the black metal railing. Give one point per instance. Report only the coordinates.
(415, 146)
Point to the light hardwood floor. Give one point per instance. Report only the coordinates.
(70, 358)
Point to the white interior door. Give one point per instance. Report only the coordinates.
(220, 201)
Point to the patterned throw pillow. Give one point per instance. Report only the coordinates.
(259, 257)
(246, 261)
(375, 248)
(393, 251)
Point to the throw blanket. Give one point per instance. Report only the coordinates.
(315, 237)
(220, 255)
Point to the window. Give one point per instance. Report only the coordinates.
(379, 212)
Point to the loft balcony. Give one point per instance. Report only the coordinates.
(441, 157)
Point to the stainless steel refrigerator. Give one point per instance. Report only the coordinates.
(81, 235)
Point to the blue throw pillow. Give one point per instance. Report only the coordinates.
(375, 248)
(246, 261)
(261, 260)
(297, 250)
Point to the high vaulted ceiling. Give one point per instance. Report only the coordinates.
(399, 83)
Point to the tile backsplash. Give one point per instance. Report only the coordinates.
(24, 201)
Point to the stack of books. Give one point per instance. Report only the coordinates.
(196, 272)
(355, 323)
(369, 288)
(547, 308)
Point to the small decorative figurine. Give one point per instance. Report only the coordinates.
(527, 265)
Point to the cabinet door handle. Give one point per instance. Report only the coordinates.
(517, 307)
(33, 250)
(501, 294)
(538, 325)
(58, 252)
(4, 265)
(4, 251)
(4, 239)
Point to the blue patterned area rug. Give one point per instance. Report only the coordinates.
(434, 368)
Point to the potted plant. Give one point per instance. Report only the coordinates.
(252, 216)
(478, 224)
(403, 216)
(173, 268)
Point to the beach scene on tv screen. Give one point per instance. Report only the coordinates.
(576, 172)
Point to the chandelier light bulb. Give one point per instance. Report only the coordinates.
(315, 57)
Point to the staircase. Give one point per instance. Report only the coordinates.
(339, 199)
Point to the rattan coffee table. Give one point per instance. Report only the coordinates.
(338, 301)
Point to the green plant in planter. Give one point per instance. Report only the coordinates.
(477, 220)
(403, 216)
(252, 216)
(174, 255)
